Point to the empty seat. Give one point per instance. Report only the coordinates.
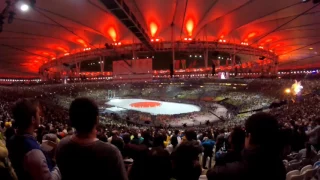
(297, 177)
(310, 173)
(203, 177)
(292, 173)
(305, 168)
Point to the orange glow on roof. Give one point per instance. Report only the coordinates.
(153, 28)
(190, 26)
(112, 33)
(269, 40)
(251, 35)
(81, 41)
(62, 49)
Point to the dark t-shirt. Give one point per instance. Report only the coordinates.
(89, 161)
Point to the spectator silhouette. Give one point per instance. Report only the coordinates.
(83, 156)
(261, 156)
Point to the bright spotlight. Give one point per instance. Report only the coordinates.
(24, 7)
(296, 87)
(288, 91)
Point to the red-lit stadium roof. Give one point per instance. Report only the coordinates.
(53, 28)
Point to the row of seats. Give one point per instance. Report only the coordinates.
(295, 164)
(306, 173)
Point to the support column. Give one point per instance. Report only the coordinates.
(172, 46)
(227, 63)
(207, 50)
(101, 63)
(276, 64)
(134, 53)
(78, 68)
(233, 58)
(60, 70)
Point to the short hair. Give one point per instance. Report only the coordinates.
(185, 160)
(176, 132)
(158, 140)
(174, 141)
(264, 129)
(23, 111)
(126, 138)
(237, 138)
(83, 114)
(191, 134)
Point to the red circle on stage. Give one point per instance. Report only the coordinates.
(145, 104)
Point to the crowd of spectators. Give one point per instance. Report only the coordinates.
(53, 133)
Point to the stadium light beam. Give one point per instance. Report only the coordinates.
(112, 33)
(24, 7)
(190, 26)
(153, 28)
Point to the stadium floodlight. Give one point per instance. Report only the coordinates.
(24, 7)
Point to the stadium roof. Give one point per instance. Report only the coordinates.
(290, 28)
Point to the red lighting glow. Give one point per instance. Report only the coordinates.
(145, 104)
(81, 41)
(153, 28)
(251, 35)
(67, 54)
(268, 40)
(157, 40)
(62, 49)
(112, 33)
(190, 26)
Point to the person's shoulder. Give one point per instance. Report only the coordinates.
(229, 170)
(106, 148)
(64, 141)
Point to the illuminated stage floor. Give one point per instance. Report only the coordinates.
(154, 107)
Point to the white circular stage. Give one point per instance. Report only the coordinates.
(169, 108)
(154, 107)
